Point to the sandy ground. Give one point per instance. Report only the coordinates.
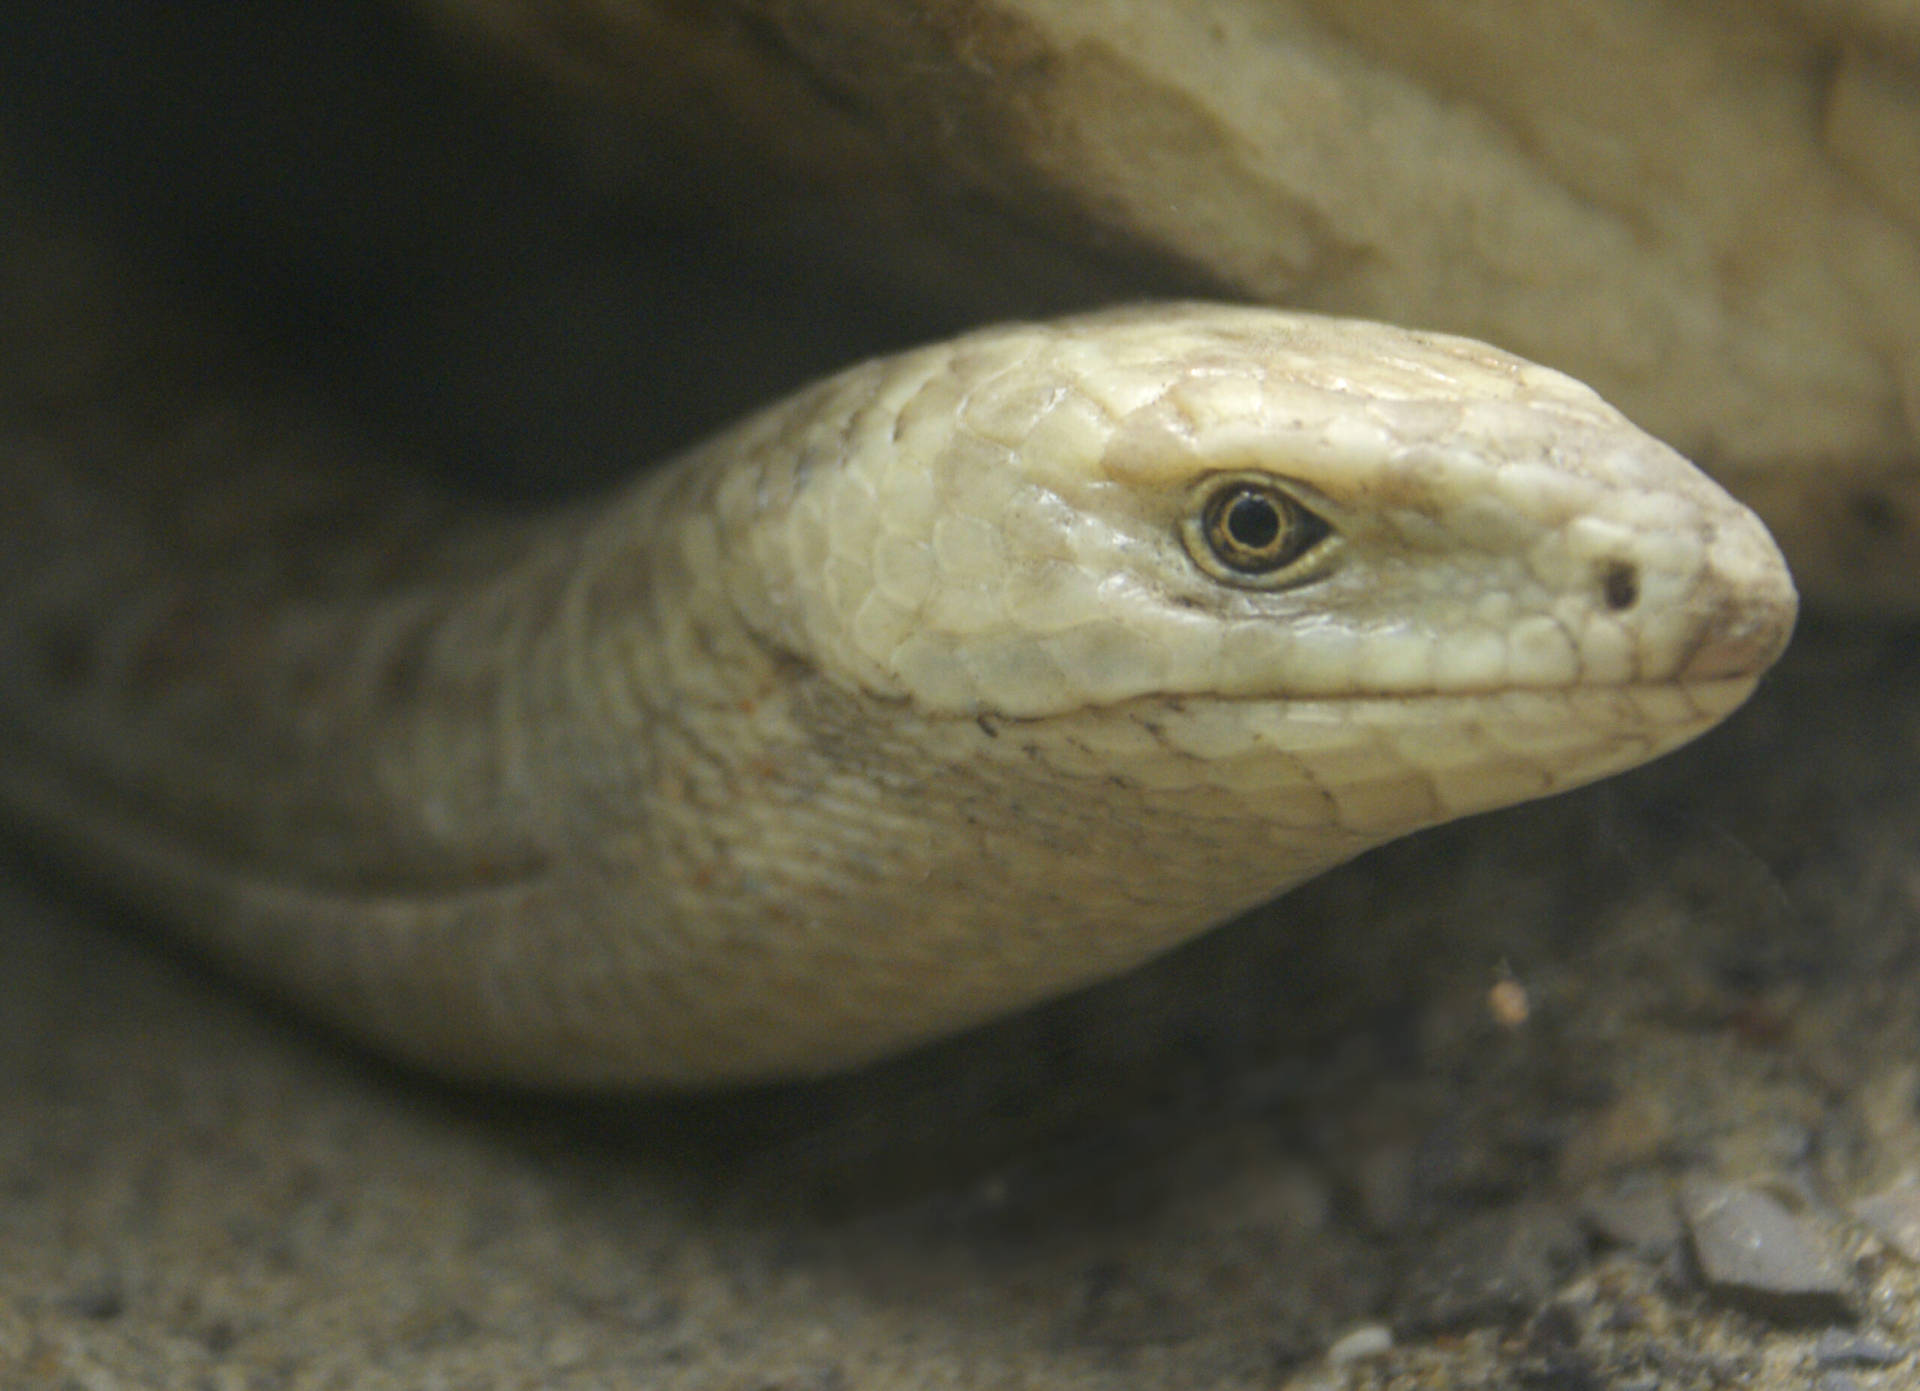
(1202, 1176)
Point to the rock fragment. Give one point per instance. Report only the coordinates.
(1638, 1217)
(1368, 1340)
(1496, 1268)
(1756, 1255)
(1839, 1348)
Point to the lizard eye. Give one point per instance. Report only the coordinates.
(1249, 530)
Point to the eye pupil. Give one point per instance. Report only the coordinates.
(1253, 521)
(1250, 530)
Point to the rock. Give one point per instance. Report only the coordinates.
(1756, 1255)
(1637, 1216)
(1839, 1348)
(1368, 1340)
(1706, 212)
(1495, 1268)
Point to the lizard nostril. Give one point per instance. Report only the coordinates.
(1620, 583)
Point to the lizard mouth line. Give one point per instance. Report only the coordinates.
(1491, 691)
(1707, 694)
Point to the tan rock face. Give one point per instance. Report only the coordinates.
(1709, 212)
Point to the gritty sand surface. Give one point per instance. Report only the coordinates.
(1202, 1176)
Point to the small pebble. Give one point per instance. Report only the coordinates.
(1368, 1340)
(1758, 1256)
(1837, 1348)
(1637, 1216)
